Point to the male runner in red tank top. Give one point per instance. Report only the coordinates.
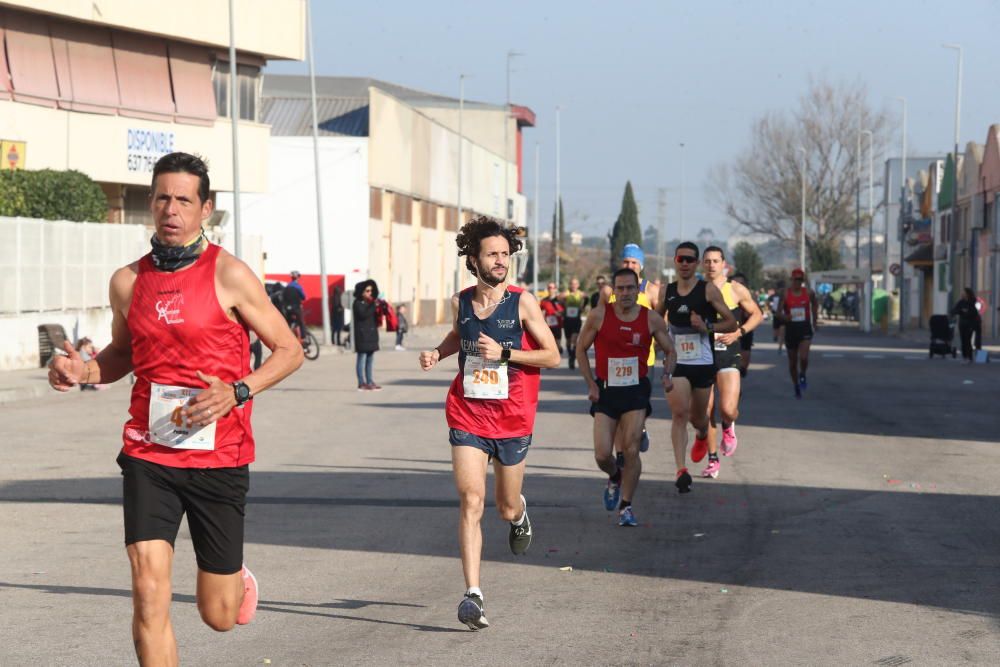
(180, 320)
(799, 314)
(621, 333)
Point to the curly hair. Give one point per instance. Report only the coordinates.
(472, 233)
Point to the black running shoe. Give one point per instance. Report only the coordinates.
(520, 536)
(683, 482)
(472, 612)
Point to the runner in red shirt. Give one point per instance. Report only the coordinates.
(502, 341)
(180, 319)
(621, 333)
(798, 312)
(554, 311)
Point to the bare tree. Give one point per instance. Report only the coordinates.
(761, 189)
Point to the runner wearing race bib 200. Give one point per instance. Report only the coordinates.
(502, 341)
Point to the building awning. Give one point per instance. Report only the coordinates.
(4, 72)
(85, 68)
(29, 56)
(191, 73)
(143, 77)
(922, 256)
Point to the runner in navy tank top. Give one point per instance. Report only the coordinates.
(502, 341)
(180, 317)
(621, 333)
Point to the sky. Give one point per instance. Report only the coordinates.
(634, 80)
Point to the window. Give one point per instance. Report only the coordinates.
(375, 203)
(428, 215)
(451, 219)
(247, 86)
(401, 209)
(137, 206)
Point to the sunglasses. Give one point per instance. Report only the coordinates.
(685, 259)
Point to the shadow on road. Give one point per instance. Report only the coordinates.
(902, 544)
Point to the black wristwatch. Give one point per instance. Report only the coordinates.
(743, 332)
(242, 392)
(505, 355)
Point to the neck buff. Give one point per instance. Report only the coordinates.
(172, 258)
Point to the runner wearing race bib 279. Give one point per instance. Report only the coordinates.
(621, 333)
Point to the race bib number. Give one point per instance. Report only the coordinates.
(799, 314)
(167, 425)
(484, 379)
(552, 320)
(623, 371)
(688, 347)
(572, 312)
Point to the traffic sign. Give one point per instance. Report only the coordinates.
(894, 269)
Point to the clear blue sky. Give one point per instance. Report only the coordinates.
(635, 79)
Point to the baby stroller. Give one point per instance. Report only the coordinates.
(942, 335)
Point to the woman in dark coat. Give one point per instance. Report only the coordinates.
(969, 323)
(365, 332)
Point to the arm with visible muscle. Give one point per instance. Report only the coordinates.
(588, 334)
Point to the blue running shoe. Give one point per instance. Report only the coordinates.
(626, 518)
(798, 391)
(612, 495)
(644, 443)
(802, 381)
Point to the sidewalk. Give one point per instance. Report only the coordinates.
(33, 383)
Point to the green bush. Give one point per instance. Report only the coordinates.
(52, 195)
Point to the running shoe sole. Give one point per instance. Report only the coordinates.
(683, 483)
(251, 594)
(699, 449)
(472, 614)
(644, 443)
(626, 519)
(612, 494)
(710, 472)
(729, 449)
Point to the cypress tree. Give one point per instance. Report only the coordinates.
(626, 229)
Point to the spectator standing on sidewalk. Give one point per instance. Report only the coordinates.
(337, 313)
(969, 322)
(402, 326)
(365, 333)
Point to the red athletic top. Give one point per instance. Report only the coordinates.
(618, 339)
(510, 417)
(800, 300)
(553, 311)
(178, 327)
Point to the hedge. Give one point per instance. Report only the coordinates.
(52, 195)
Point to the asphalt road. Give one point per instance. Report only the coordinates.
(855, 527)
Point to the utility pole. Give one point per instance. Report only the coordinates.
(324, 289)
(857, 204)
(506, 150)
(661, 231)
(871, 194)
(461, 141)
(904, 186)
(556, 238)
(683, 178)
(802, 225)
(234, 118)
(953, 227)
(538, 230)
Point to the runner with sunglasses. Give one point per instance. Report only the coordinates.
(695, 311)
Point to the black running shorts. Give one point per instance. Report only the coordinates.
(746, 342)
(508, 451)
(157, 496)
(572, 326)
(796, 332)
(616, 401)
(728, 358)
(700, 376)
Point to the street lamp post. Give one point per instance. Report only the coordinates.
(857, 203)
(538, 193)
(683, 178)
(324, 289)
(902, 216)
(461, 140)
(506, 150)
(871, 191)
(802, 224)
(234, 118)
(953, 227)
(556, 237)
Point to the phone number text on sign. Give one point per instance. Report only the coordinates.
(145, 147)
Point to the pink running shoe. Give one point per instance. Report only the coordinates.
(712, 469)
(729, 440)
(248, 609)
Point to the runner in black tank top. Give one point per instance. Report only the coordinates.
(690, 306)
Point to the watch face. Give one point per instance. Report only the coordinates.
(242, 392)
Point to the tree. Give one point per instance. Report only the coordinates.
(761, 189)
(824, 255)
(626, 229)
(52, 195)
(748, 262)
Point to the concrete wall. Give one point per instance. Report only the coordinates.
(102, 147)
(271, 28)
(19, 333)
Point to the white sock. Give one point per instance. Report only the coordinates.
(474, 590)
(524, 513)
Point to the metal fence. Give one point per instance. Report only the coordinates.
(53, 265)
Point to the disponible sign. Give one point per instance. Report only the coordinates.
(145, 147)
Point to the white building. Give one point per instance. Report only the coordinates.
(389, 159)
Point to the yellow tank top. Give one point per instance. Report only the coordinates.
(643, 300)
